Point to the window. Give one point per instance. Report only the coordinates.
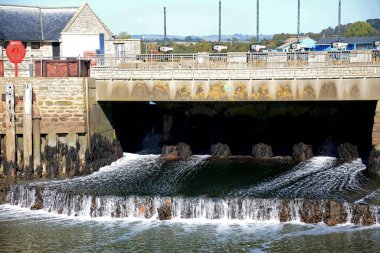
(25, 44)
(35, 45)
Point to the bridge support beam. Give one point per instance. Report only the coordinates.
(376, 126)
(374, 158)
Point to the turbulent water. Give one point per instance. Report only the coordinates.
(211, 200)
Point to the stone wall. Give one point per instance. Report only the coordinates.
(131, 46)
(61, 102)
(87, 22)
(61, 105)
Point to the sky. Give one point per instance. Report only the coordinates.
(200, 17)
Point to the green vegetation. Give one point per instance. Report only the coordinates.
(124, 35)
(359, 29)
(375, 23)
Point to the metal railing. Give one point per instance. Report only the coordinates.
(38, 66)
(272, 65)
(239, 60)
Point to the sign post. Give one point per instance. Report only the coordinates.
(15, 52)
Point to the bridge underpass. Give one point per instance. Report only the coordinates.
(146, 127)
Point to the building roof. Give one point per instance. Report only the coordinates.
(352, 40)
(290, 41)
(28, 23)
(2, 36)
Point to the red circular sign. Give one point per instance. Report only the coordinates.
(15, 51)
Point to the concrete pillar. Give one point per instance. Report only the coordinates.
(82, 139)
(52, 139)
(62, 140)
(374, 158)
(1, 157)
(27, 124)
(19, 150)
(44, 143)
(10, 130)
(51, 142)
(72, 140)
(36, 138)
(376, 126)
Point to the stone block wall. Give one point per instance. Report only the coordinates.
(87, 22)
(61, 102)
(61, 105)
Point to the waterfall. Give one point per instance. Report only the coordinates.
(136, 186)
(228, 208)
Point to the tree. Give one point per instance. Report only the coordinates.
(359, 29)
(314, 36)
(124, 35)
(375, 23)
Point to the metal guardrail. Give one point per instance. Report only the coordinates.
(34, 66)
(236, 60)
(272, 65)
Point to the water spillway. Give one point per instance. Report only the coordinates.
(136, 186)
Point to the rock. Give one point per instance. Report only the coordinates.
(184, 150)
(374, 161)
(302, 151)
(4, 188)
(39, 202)
(262, 151)
(165, 211)
(173, 152)
(93, 207)
(117, 213)
(347, 152)
(362, 216)
(335, 214)
(169, 152)
(220, 150)
(285, 211)
(311, 212)
(118, 150)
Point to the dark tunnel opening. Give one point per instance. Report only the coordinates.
(145, 127)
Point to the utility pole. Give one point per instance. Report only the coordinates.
(165, 26)
(257, 22)
(339, 20)
(220, 23)
(298, 21)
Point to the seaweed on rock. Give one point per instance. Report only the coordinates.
(101, 153)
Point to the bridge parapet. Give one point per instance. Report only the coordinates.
(239, 66)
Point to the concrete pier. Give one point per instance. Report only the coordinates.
(27, 124)
(10, 129)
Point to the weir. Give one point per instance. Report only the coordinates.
(243, 148)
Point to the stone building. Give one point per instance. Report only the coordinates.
(60, 32)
